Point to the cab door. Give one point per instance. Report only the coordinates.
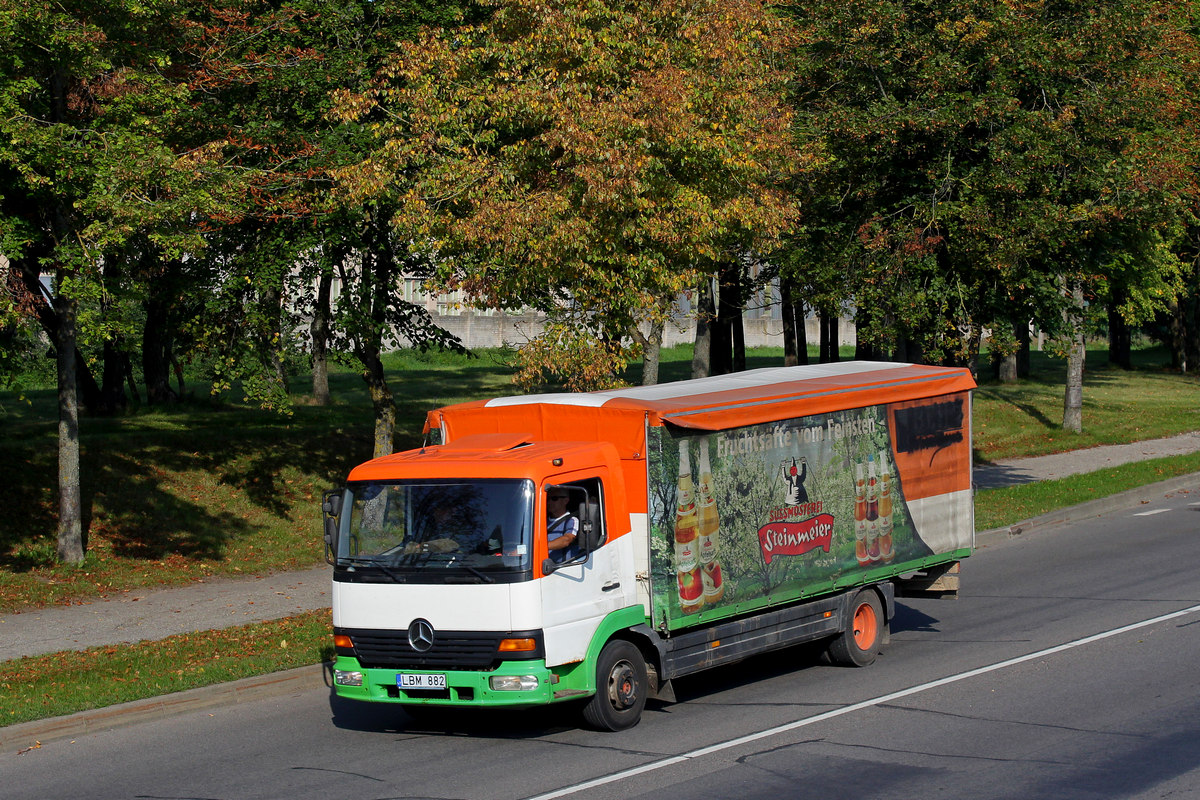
(577, 596)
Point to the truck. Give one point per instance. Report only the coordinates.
(713, 519)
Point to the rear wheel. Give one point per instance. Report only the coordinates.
(859, 643)
(621, 687)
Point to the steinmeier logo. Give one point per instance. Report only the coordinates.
(795, 538)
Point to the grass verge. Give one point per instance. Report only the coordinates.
(57, 684)
(998, 508)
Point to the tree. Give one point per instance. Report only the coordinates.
(983, 159)
(590, 162)
(86, 107)
(271, 71)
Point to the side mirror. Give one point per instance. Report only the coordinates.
(591, 528)
(331, 505)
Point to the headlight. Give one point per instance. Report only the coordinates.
(343, 678)
(513, 683)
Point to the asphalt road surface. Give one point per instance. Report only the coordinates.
(1069, 668)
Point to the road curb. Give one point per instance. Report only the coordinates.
(1130, 498)
(221, 695)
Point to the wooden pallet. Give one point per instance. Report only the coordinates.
(940, 580)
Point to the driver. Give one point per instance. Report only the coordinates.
(562, 527)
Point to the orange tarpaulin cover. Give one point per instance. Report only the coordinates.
(621, 416)
(716, 403)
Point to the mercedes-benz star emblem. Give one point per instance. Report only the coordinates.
(420, 635)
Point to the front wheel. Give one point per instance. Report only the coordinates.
(621, 686)
(859, 643)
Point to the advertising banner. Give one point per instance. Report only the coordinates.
(755, 516)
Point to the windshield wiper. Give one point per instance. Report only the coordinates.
(482, 576)
(453, 561)
(371, 562)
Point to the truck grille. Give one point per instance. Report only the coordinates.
(470, 650)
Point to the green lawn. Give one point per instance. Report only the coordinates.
(1025, 419)
(208, 487)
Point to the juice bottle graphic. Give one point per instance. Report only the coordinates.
(691, 589)
(709, 523)
(872, 511)
(687, 538)
(860, 516)
(886, 550)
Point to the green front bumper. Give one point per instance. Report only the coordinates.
(463, 688)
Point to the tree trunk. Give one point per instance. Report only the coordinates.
(974, 344)
(732, 311)
(1021, 329)
(909, 350)
(70, 510)
(705, 314)
(384, 404)
(380, 260)
(737, 326)
(787, 312)
(721, 349)
(829, 337)
(156, 349)
(1175, 335)
(1073, 394)
(127, 371)
(319, 330)
(1184, 328)
(47, 316)
(1190, 347)
(177, 368)
(1007, 368)
(113, 380)
(1120, 340)
(1006, 365)
(799, 314)
(651, 349)
(864, 350)
(274, 346)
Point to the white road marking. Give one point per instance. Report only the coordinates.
(838, 712)
(1152, 513)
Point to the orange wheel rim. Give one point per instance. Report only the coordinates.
(866, 626)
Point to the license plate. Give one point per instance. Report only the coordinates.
(421, 681)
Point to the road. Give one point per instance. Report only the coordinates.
(1068, 669)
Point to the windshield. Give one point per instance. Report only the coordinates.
(436, 529)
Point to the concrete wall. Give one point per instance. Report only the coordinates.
(480, 331)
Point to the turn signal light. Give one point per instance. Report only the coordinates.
(343, 641)
(517, 645)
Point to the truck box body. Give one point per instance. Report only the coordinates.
(730, 515)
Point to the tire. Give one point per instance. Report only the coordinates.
(859, 643)
(621, 688)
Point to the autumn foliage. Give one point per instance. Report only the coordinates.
(588, 160)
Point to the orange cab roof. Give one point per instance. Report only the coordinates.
(500, 456)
